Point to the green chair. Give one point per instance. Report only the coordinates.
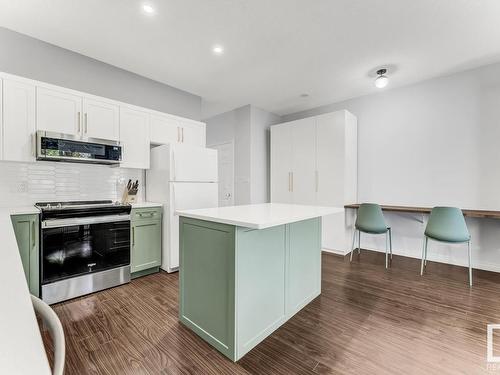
(446, 224)
(371, 220)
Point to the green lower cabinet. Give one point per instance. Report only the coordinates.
(238, 285)
(26, 228)
(146, 242)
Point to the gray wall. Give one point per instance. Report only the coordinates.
(260, 151)
(248, 128)
(32, 58)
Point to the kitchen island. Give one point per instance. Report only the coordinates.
(246, 270)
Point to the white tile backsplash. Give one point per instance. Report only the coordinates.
(24, 184)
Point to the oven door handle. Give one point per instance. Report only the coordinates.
(69, 222)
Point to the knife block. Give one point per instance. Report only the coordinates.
(128, 197)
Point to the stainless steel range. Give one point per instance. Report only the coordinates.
(84, 247)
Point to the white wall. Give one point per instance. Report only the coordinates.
(32, 58)
(433, 143)
(248, 127)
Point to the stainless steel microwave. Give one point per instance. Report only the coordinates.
(63, 147)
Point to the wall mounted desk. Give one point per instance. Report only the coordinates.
(427, 210)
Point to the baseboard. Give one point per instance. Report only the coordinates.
(333, 251)
(440, 259)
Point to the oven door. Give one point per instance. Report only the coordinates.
(81, 246)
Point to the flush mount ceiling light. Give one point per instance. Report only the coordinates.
(381, 81)
(148, 9)
(218, 50)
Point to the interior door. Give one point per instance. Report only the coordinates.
(58, 111)
(101, 119)
(281, 164)
(194, 164)
(134, 138)
(225, 165)
(164, 130)
(304, 162)
(186, 196)
(18, 120)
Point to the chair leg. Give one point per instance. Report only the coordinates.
(359, 242)
(386, 249)
(352, 247)
(424, 251)
(426, 248)
(390, 241)
(470, 263)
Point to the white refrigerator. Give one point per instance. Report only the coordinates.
(180, 177)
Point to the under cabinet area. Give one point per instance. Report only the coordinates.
(26, 228)
(145, 241)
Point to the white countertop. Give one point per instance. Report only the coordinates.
(260, 216)
(21, 347)
(146, 204)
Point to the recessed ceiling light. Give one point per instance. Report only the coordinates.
(148, 9)
(218, 50)
(381, 81)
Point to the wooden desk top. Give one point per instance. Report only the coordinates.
(427, 210)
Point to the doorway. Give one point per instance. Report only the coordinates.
(225, 163)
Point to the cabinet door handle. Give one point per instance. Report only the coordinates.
(292, 182)
(178, 135)
(317, 181)
(289, 181)
(133, 236)
(86, 123)
(182, 132)
(79, 122)
(33, 234)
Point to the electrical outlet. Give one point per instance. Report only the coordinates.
(22, 187)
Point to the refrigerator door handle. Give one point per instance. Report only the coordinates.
(172, 204)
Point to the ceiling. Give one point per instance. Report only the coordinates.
(275, 50)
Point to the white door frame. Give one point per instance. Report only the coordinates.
(215, 145)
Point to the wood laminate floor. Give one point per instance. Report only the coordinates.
(366, 321)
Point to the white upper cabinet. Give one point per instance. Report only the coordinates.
(27, 106)
(134, 138)
(58, 111)
(164, 129)
(18, 103)
(193, 133)
(171, 129)
(101, 119)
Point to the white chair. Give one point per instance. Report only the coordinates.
(54, 325)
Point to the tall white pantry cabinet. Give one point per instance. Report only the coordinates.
(314, 161)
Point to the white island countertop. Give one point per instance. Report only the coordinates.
(21, 347)
(260, 216)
